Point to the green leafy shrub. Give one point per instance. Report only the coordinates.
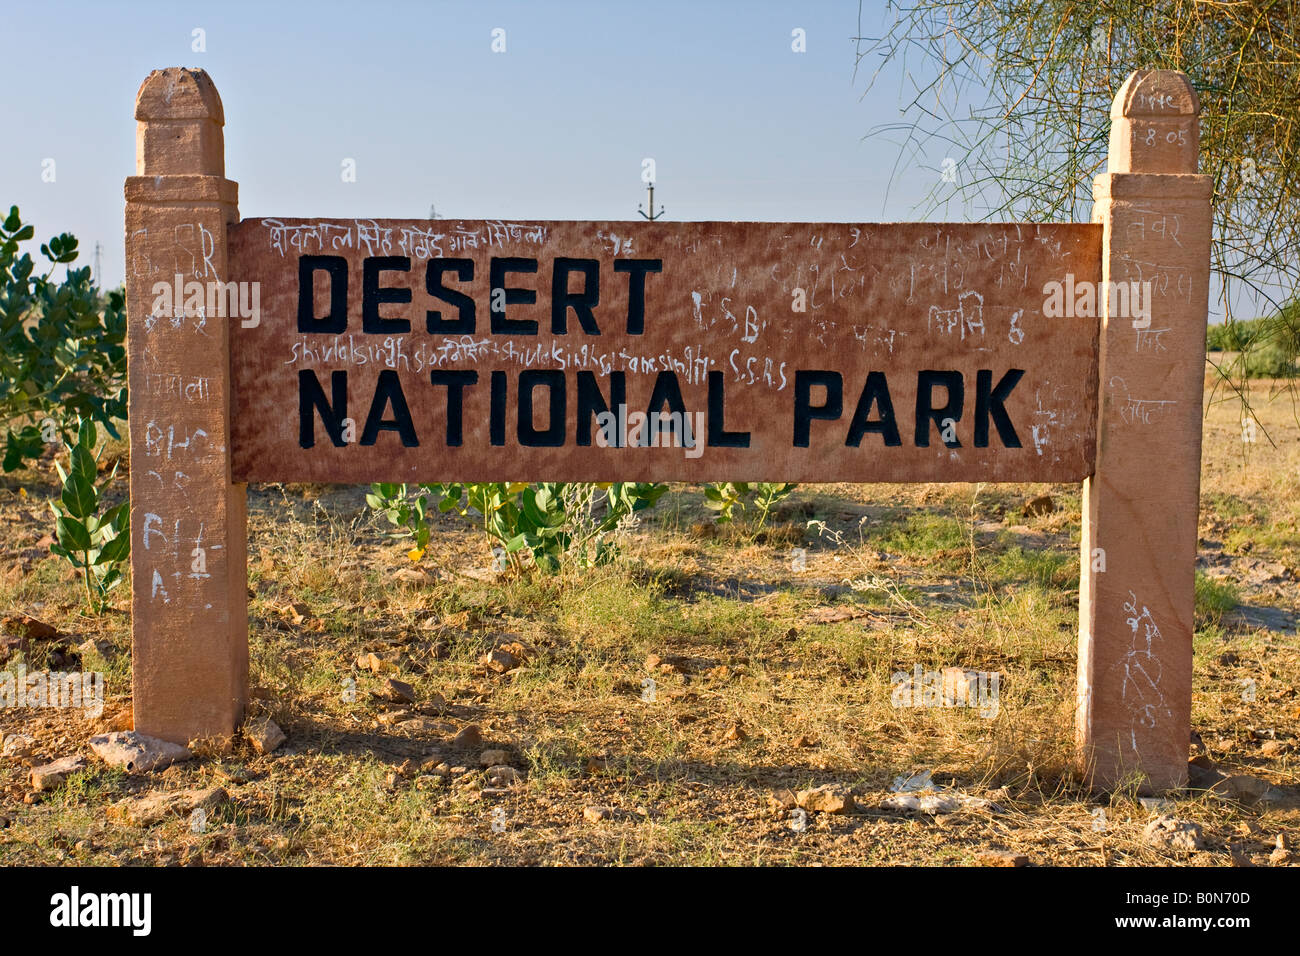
(96, 544)
(62, 347)
(553, 523)
(731, 498)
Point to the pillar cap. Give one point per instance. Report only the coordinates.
(179, 93)
(1150, 93)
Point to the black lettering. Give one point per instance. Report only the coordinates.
(434, 322)
(497, 415)
(337, 319)
(875, 392)
(373, 295)
(332, 412)
(582, 302)
(989, 401)
(926, 412)
(502, 296)
(591, 402)
(553, 436)
(667, 392)
(719, 437)
(636, 270)
(455, 382)
(805, 411)
(388, 391)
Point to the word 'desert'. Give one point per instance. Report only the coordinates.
(423, 349)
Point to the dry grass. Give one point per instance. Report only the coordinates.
(769, 677)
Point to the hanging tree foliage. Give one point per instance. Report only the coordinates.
(1018, 94)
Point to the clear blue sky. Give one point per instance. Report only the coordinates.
(739, 125)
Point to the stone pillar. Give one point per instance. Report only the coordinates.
(1140, 506)
(188, 523)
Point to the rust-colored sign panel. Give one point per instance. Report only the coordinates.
(429, 350)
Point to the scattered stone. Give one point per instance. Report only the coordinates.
(435, 706)
(828, 798)
(1042, 505)
(391, 717)
(500, 660)
(597, 814)
(104, 649)
(470, 736)
(503, 776)
(396, 691)
(1281, 854)
(1156, 804)
(782, 800)
(1274, 748)
(420, 725)
(370, 661)
(27, 627)
(11, 646)
(18, 746)
(295, 613)
(1002, 858)
(52, 775)
(435, 764)
(1168, 833)
(1247, 790)
(137, 753)
(804, 741)
(155, 807)
(264, 734)
(490, 758)
(736, 732)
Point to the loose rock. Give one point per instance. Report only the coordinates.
(28, 627)
(264, 734)
(782, 800)
(155, 807)
(52, 775)
(1247, 790)
(397, 691)
(503, 776)
(828, 798)
(18, 746)
(137, 753)
(1168, 833)
(470, 736)
(491, 758)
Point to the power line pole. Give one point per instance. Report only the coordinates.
(433, 211)
(99, 248)
(651, 215)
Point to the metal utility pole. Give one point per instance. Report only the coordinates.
(433, 211)
(98, 249)
(651, 215)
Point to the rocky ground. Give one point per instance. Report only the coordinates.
(717, 695)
